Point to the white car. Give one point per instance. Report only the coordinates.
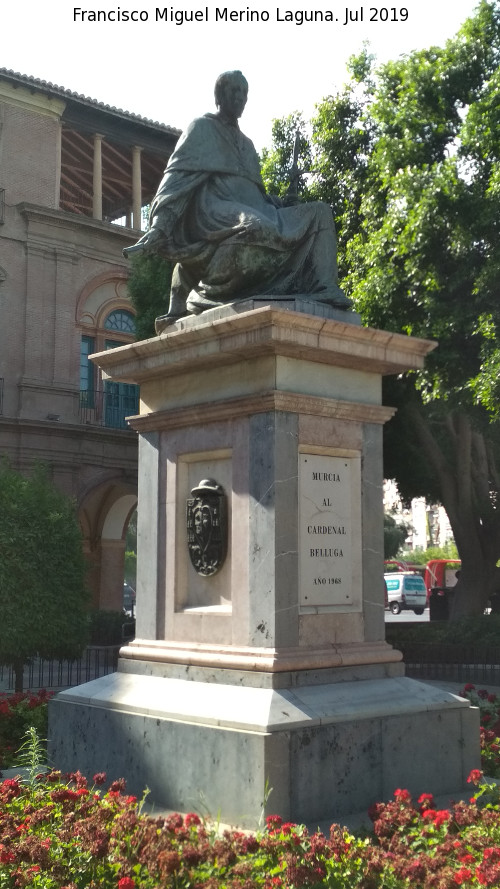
(405, 591)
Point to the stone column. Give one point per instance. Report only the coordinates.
(136, 187)
(111, 581)
(97, 181)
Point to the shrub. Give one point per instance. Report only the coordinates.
(19, 712)
(483, 631)
(106, 627)
(61, 832)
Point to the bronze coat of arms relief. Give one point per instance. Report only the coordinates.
(206, 517)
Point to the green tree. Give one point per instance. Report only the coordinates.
(276, 162)
(43, 600)
(395, 534)
(149, 289)
(409, 157)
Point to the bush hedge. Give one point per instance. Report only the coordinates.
(57, 832)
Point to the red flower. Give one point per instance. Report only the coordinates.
(404, 796)
(462, 876)
(126, 883)
(467, 858)
(437, 816)
(475, 776)
(426, 801)
(192, 818)
(99, 778)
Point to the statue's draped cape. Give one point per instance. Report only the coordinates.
(230, 239)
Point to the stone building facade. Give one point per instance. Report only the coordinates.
(74, 175)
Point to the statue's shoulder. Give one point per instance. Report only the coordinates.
(205, 122)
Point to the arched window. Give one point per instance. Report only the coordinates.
(120, 320)
(103, 402)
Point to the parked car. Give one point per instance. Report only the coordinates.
(406, 591)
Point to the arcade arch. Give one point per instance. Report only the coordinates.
(104, 512)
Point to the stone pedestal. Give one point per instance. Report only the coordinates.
(273, 672)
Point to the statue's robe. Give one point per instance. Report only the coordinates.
(228, 237)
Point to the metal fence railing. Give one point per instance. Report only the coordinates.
(97, 660)
(110, 406)
(451, 662)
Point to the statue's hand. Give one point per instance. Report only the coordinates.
(149, 242)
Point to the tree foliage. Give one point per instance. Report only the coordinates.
(149, 289)
(276, 162)
(408, 155)
(395, 534)
(43, 600)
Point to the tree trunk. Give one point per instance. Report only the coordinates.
(18, 667)
(466, 477)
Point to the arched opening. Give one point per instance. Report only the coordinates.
(104, 514)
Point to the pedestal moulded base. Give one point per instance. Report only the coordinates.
(309, 754)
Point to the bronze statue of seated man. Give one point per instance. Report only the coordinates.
(228, 238)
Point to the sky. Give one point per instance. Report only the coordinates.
(166, 71)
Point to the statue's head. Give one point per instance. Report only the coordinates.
(231, 91)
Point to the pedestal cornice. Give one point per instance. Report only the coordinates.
(231, 408)
(268, 330)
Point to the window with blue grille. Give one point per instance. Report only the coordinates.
(120, 320)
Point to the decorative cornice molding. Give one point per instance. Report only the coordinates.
(265, 660)
(247, 405)
(264, 331)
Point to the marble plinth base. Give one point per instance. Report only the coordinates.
(326, 750)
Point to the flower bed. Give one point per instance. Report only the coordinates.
(489, 716)
(17, 713)
(57, 831)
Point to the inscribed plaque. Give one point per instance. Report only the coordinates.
(325, 530)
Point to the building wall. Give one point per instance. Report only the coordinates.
(61, 275)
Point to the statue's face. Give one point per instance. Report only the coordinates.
(234, 98)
